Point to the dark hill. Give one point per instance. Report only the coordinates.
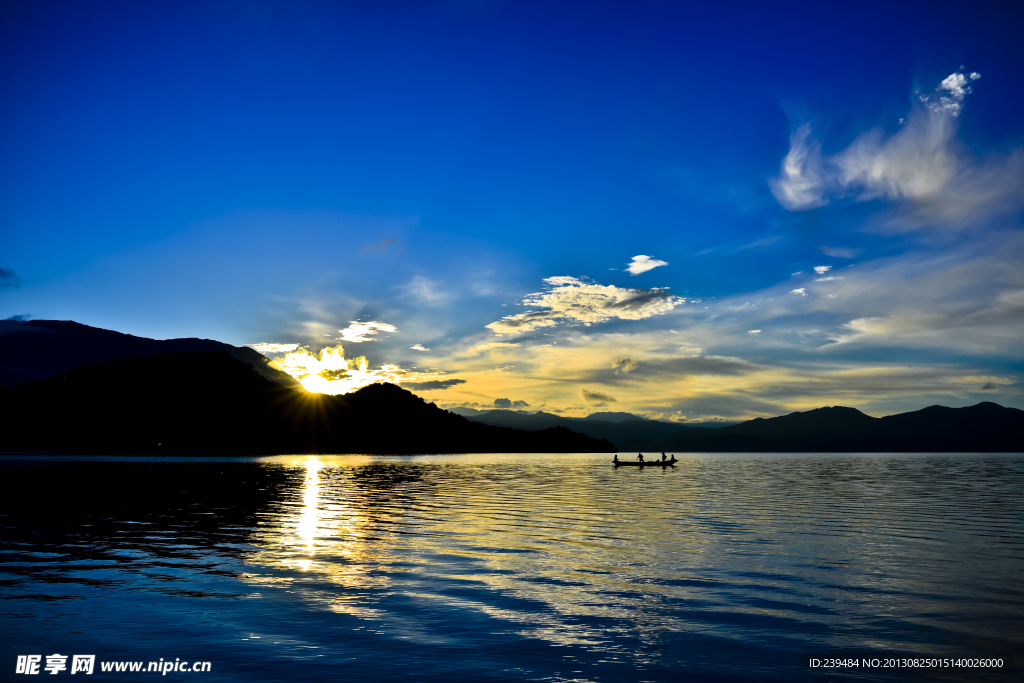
(37, 349)
(209, 403)
(983, 428)
(622, 433)
(834, 420)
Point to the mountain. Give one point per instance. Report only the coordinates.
(986, 427)
(614, 417)
(983, 428)
(210, 403)
(632, 435)
(33, 350)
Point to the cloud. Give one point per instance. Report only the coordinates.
(434, 384)
(754, 332)
(418, 347)
(271, 348)
(802, 181)
(956, 87)
(921, 167)
(821, 270)
(624, 365)
(596, 397)
(20, 318)
(642, 264)
(507, 404)
(384, 244)
(495, 345)
(8, 278)
(761, 243)
(571, 299)
(330, 372)
(427, 291)
(840, 252)
(363, 332)
(988, 386)
(802, 291)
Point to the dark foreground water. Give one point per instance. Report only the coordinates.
(511, 567)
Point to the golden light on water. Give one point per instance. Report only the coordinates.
(309, 521)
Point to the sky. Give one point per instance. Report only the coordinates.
(687, 211)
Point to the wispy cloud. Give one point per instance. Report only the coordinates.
(364, 332)
(573, 300)
(840, 252)
(8, 278)
(921, 168)
(418, 347)
(642, 264)
(433, 385)
(427, 291)
(596, 397)
(821, 270)
(380, 246)
(271, 348)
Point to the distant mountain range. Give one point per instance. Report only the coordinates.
(528, 419)
(67, 387)
(986, 427)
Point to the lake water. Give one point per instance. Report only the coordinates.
(511, 567)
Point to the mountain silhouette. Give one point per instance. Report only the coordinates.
(209, 403)
(33, 350)
(628, 434)
(983, 428)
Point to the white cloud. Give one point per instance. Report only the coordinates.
(821, 270)
(801, 291)
(495, 345)
(642, 264)
(802, 181)
(329, 372)
(427, 291)
(364, 332)
(570, 299)
(840, 252)
(922, 167)
(754, 332)
(418, 347)
(266, 348)
(956, 85)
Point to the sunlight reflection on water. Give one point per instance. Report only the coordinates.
(542, 567)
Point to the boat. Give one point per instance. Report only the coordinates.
(647, 463)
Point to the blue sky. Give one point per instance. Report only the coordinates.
(270, 172)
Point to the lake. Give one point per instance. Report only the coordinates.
(512, 567)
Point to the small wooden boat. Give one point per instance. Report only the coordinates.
(647, 463)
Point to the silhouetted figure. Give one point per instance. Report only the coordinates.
(663, 458)
(616, 458)
(640, 457)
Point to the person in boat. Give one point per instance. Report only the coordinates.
(616, 458)
(663, 458)
(640, 457)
